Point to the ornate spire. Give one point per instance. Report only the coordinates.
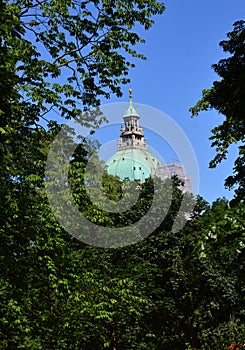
(131, 133)
(131, 111)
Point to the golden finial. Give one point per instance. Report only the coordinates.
(130, 93)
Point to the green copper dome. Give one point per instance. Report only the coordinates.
(133, 163)
(132, 159)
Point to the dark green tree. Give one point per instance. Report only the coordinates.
(227, 97)
(57, 58)
(196, 280)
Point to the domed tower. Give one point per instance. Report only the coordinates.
(132, 160)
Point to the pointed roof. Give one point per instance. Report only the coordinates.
(131, 112)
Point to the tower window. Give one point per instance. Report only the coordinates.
(140, 167)
(123, 159)
(134, 168)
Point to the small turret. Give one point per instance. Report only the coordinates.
(131, 134)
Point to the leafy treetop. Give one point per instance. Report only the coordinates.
(227, 97)
(67, 53)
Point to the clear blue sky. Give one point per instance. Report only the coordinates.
(181, 47)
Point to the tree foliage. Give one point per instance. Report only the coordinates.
(68, 52)
(227, 97)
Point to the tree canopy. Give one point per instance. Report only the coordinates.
(227, 97)
(68, 52)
